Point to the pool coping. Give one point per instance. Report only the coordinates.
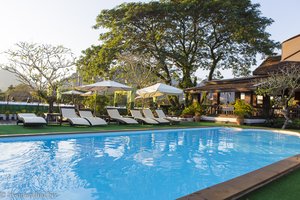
(105, 131)
(148, 129)
(244, 184)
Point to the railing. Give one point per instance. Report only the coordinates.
(258, 111)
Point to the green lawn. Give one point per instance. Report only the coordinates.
(19, 129)
(14, 129)
(284, 188)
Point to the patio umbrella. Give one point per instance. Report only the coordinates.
(86, 94)
(72, 92)
(105, 87)
(159, 89)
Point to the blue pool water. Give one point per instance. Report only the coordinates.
(141, 165)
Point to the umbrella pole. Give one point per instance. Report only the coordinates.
(95, 103)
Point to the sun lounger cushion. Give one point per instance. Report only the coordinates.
(72, 117)
(94, 121)
(148, 113)
(161, 114)
(138, 116)
(114, 114)
(30, 119)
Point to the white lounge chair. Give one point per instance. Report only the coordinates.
(139, 117)
(161, 114)
(94, 121)
(30, 119)
(70, 114)
(148, 113)
(115, 115)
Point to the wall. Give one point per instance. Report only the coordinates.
(290, 47)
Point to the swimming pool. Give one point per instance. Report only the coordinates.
(134, 165)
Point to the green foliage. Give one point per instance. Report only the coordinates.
(278, 123)
(194, 109)
(175, 110)
(181, 36)
(242, 109)
(102, 101)
(92, 64)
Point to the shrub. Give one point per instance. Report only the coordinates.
(194, 109)
(242, 109)
(175, 110)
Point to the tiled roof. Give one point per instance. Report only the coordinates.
(266, 64)
(266, 69)
(228, 85)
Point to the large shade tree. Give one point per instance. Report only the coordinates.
(185, 35)
(41, 67)
(281, 85)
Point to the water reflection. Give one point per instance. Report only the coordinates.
(163, 165)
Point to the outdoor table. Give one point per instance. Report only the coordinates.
(53, 117)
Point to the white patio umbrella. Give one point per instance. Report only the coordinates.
(157, 90)
(89, 93)
(105, 87)
(72, 92)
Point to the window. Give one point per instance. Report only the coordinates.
(227, 97)
(242, 96)
(260, 100)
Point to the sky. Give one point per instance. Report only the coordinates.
(69, 23)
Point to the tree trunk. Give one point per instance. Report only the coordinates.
(266, 106)
(212, 69)
(186, 79)
(285, 112)
(50, 101)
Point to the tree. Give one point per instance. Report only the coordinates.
(183, 36)
(41, 67)
(281, 85)
(91, 65)
(135, 70)
(20, 92)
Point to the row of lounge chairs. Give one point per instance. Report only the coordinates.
(86, 118)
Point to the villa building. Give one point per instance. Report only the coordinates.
(221, 93)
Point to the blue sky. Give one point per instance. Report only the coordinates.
(69, 22)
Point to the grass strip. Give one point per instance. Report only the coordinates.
(19, 129)
(284, 188)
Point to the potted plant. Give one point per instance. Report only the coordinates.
(7, 114)
(188, 112)
(199, 110)
(242, 109)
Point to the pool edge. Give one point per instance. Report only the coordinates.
(102, 131)
(244, 184)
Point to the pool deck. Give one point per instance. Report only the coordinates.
(242, 185)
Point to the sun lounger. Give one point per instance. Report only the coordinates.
(115, 115)
(70, 114)
(94, 121)
(139, 117)
(148, 113)
(28, 119)
(161, 114)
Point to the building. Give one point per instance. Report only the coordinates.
(220, 93)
